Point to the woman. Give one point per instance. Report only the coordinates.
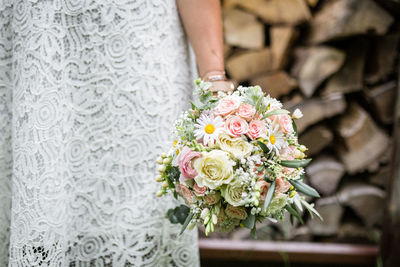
(88, 93)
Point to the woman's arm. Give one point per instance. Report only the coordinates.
(203, 25)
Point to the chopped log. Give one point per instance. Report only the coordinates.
(312, 3)
(317, 109)
(316, 139)
(275, 11)
(325, 173)
(391, 234)
(331, 210)
(282, 38)
(366, 200)
(350, 232)
(315, 64)
(290, 101)
(350, 77)
(382, 99)
(275, 84)
(227, 50)
(382, 58)
(363, 141)
(247, 65)
(242, 29)
(342, 18)
(381, 177)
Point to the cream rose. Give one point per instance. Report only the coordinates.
(232, 193)
(237, 147)
(236, 212)
(214, 169)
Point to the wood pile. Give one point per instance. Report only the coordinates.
(337, 61)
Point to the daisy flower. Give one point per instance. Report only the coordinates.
(272, 103)
(208, 127)
(275, 139)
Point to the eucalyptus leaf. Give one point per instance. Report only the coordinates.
(269, 196)
(304, 188)
(186, 223)
(250, 221)
(263, 147)
(275, 112)
(172, 217)
(294, 212)
(295, 163)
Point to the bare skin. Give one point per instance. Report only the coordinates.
(203, 25)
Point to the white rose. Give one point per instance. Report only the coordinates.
(214, 169)
(236, 146)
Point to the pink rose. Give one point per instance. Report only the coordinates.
(263, 188)
(236, 126)
(256, 129)
(185, 158)
(288, 153)
(185, 192)
(282, 185)
(246, 111)
(199, 191)
(285, 123)
(227, 105)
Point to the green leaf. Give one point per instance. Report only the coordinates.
(250, 221)
(295, 163)
(178, 214)
(304, 188)
(263, 147)
(187, 221)
(269, 196)
(193, 105)
(275, 112)
(267, 179)
(311, 209)
(295, 128)
(172, 217)
(295, 213)
(253, 232)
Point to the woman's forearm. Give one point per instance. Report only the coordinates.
(203, 25)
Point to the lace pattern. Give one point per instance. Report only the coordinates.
(88, 92)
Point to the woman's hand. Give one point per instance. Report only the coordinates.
(203, 25)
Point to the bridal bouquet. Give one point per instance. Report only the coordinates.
(235, 160)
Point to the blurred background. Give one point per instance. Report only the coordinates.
(336, 60)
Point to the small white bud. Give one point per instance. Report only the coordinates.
(159, 178)
(163, 155)
(214, 219)
(297, 114)
(167, 160)
(161, 168)
(165, 184)
(159, 160)
(204, 213)
(159, 193)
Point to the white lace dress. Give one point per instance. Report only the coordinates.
(89, 90)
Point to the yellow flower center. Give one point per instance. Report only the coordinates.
(272, 139)
(209, 128)
(175, 142)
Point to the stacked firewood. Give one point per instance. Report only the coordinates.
(336, 60)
